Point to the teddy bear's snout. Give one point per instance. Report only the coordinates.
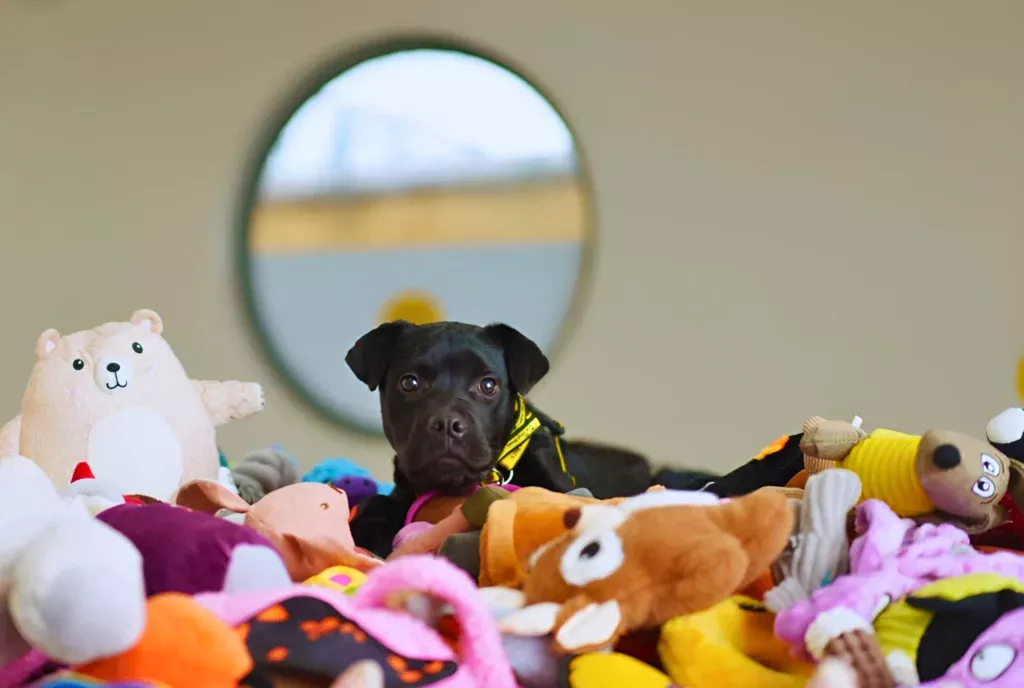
(113, 374)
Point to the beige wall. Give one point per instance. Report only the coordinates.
(805, 207)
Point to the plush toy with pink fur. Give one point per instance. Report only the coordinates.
(117, 397)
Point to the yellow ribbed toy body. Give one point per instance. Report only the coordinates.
(884, 461)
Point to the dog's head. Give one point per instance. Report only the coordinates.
(967, 478)
(447, 392)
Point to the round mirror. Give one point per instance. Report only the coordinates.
(420, 184)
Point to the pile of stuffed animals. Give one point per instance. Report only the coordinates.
(132, 555)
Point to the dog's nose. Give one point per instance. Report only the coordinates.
(113, 367)
(946, 456)
(452, 425)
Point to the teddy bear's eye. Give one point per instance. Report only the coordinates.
(136, 347)
(78, 364)
(984, 488)
(990, 465)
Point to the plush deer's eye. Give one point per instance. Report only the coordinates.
(592, 556)
(990, 465)
(984, 488)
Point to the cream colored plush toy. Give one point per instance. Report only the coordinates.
(117, 397)
(70, 585)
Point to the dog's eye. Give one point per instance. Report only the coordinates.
(488, 386)
(409, 383)
(984, 488)
(990, 465)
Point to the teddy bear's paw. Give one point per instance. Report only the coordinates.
(593, 626)
(77, 572)
(535, 620)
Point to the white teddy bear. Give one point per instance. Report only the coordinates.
(70, 586)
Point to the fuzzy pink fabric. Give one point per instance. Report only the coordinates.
(410, 531)
(483, 660)
(891, 558)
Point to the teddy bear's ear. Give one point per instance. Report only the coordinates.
(47, 343)
(148, 320)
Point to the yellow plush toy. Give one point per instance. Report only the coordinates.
(942, 475)
(969, 604)
(614, 669)
(344, 579)
(730, 644)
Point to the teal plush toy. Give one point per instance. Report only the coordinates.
(356, 481)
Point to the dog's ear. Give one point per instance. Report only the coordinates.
(526, 363)
(369, 356)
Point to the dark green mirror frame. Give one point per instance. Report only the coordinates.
(320, 76)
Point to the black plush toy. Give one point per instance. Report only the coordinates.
(1005, 432)
(774, 466)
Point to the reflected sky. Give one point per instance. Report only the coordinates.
(400, 119)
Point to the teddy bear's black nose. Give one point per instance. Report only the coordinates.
(113, 367)
(946, 456)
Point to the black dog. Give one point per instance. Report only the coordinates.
(453, 409)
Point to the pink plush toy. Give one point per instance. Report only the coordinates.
(319, 632)
(117, 397)
(891, 559)
(306, 522)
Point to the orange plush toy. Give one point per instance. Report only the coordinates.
(644, 561)
(530, 518)
(184, 644)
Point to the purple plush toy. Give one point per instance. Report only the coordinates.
(191, 552)
(356, 488)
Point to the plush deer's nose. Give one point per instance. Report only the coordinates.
(946, 457)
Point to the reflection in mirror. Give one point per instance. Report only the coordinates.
(421, 185)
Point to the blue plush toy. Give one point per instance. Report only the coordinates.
(344, 474)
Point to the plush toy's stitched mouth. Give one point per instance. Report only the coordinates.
(117, 384)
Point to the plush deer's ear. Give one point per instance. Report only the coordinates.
(47, 343)
(594, 627)
(148, 320)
